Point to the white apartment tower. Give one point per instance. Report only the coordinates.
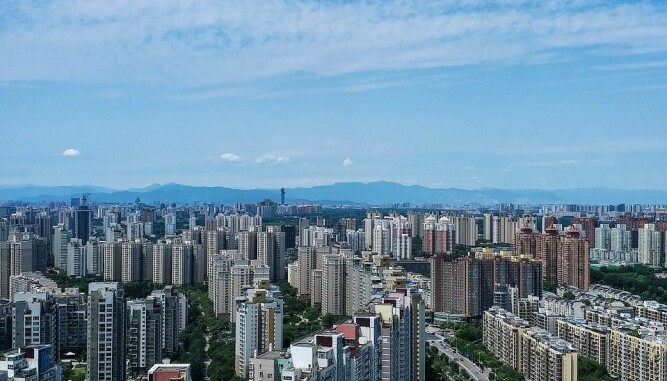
(106, 332)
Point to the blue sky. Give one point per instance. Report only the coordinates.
(507, 94)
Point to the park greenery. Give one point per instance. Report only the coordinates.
(636, 279)
(300, 319)
(205, 327)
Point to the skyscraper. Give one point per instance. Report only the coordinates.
(106, 332)
(83, 221)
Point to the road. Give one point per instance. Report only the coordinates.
(473, 370)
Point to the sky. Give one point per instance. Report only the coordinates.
(442, 93)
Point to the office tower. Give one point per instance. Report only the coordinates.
(290, 236)
(34, 320)
(76, 259)
(162, 263)
(525, 243)
(574, 258)
(650, 245)
(72, 321)
(174, 317)
(192, 222)
(259, 325)
(112, 254)
(170, 372)
(44, 228)
(402, 337)
(333, 284)
(144, 334)
(439, 235)
(106, 332)
(83, 221)
(181, 265)
(588, 229)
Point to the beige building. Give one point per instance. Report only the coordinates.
(637, 354)
(531, 351)
(589, 339)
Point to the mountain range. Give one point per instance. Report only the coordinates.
(374, 193)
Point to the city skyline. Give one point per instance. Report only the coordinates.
(556, 94)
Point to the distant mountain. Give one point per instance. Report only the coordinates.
(380, 192)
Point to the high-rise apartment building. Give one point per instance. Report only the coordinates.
(259, 325)
(465, 228)
(173, 318)
(333, 284)
(402, 336)
(462, 286)
(35, 321)
(144, 334)
(574, 258)
(650, 245)
(439, 235)
(106, 332)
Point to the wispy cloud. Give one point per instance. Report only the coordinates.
(272, 159)
(70, 152)
(184, 43)
(347, 162)
(230, 157)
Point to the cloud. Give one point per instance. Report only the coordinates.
(347, 162)
(71, 152)
(230, 157)
(272, 159)
(213, 42)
